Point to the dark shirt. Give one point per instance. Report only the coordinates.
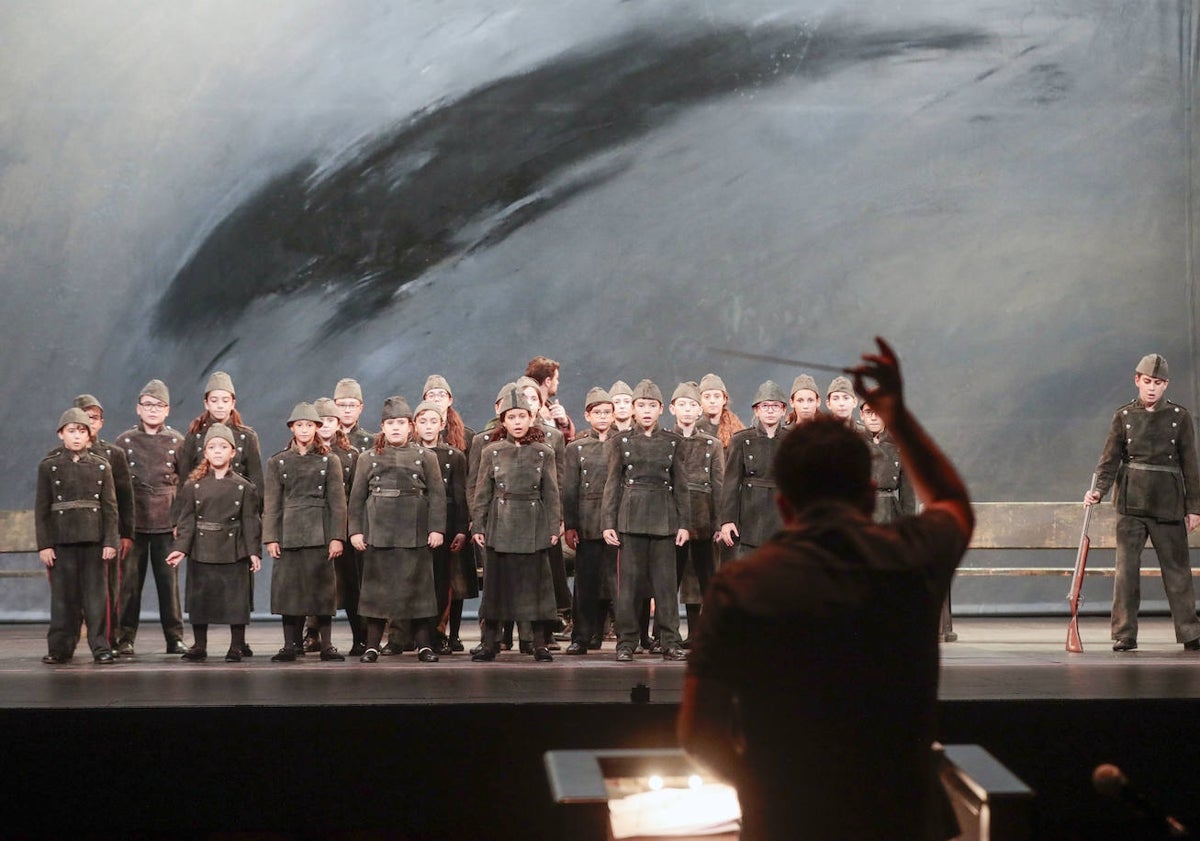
(827, 638)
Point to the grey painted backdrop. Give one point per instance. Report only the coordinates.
(299, 191)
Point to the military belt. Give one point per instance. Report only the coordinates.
(393, 493)
(759, 483)
(633, 483)
(894, 493)
(315, 502)
(207, 526)
(1158, 468)
(704, 489)
(507, 495)
(73, 504)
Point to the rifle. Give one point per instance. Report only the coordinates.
(1074, 643)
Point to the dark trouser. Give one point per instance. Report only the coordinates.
(701, 553)
(1171, 544)
(647, 557)
(558, 573)
(78, 587)
(540, 630)
(441, 579)
(113, 574)
(592, 560)
(150, 549)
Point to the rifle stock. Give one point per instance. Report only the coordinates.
(1074, 643)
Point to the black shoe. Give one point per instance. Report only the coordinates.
(426, 655)
(369, 656)
(195, 655)
(526, 647)
(542, 654)
(54, 660)
(686, 645)
(674, 654)
(409, 646)
(1192, 645)
(506, 646)
(246, 652)
(358, 649)
(443, 647)
(331, 655)
(104, 658)
(1125, 644)
(312, 645)
(577, 648)
(596, 643)
(456, 644)
(485, 654)
(125, 648)
(624, 655)
(233, 655)
(176, 647)
(287, 654)
(477, 649)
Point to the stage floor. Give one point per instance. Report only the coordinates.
(993, 660)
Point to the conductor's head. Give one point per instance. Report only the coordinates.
(823, 461)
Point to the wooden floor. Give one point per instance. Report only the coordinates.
(993, 660)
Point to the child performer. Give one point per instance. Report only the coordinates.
(304, 522)
(397, 515)
(646, 511)
(517, 514)
(75, 517)
(220, 530)
(452, 463)
(718, 419)
(348, 566)
(805, 399)
(582, 494)
(748, 510)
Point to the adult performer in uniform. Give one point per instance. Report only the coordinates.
(854, 759)
(1150, 460)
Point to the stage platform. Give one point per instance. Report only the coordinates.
(160, 748)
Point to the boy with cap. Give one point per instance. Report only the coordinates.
(841, 401)
(124, 486)
(646, 512)
(622, 400)
(75, 518)
(153, 450)
(582, 494)
(1150, 460)
(348, 397)
(703, 461)
(748, 511)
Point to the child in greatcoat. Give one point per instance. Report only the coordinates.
(219, 530)
(75, 517)
(516, 513)
(304, 522)
(397, 515)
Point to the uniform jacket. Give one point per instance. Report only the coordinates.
(895, 497)
(123, 482)
(76, 501)
(452, 462)
(361, 438)
(645, 491)
(516, 504)
(398, 497)
(474, 449)
(304, 500)
(1150, 459)
(154, 472)
(219, 521)
(749, 487)
(703, 460)
(348, 459)
(585, 472)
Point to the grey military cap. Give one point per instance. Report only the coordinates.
(647, 390)
(711, 382)
(769, 391)
(436, 381)
(840, 384)
(620, 387)
(156, 389)
(87, 401)
(688, 389)
(219, 430)
(219, 381)
(73, 415)
(428, 406)
(348, 387)
(805, 381)
(595, 397)
(325, 407)
(304, 411)
(1153, 365)
(396, 407)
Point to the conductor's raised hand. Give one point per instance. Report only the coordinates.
(887, 395)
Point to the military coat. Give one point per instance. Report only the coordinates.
(645, 491)
(1150, 459)
(155, 474)
(76, 500)
(748, 495)
(398, 497)
(703, 461)
(452, 463)
(517, 506)
(304, 500)
(361, 439)
(586, 472)
(895, 497)
(219, 521)
(123, 482)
